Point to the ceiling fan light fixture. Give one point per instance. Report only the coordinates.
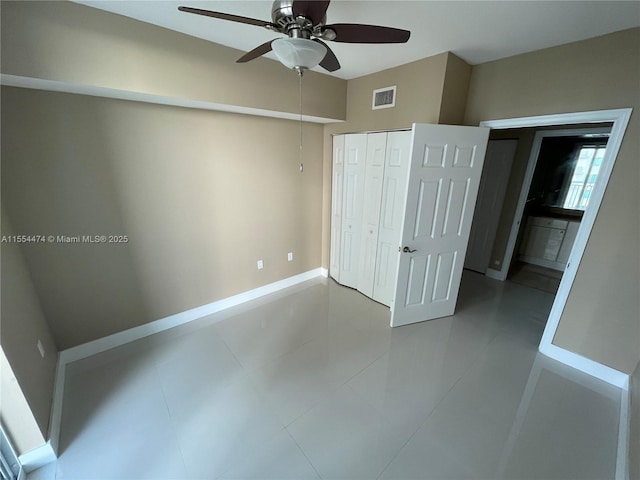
(298, 53)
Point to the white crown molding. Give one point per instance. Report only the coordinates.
(104, 92)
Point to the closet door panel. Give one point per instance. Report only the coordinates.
(352, 204)
(373, 178)
(337, 181)
(394, 186)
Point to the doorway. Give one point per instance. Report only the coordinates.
(619, 119)
(557, 193)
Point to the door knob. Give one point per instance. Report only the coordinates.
(407, 250)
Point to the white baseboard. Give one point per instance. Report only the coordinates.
(495, 274)
(324, 272)
(38, 457)
(117, 339)
(613, 377)
(543, 262)
(595, 369)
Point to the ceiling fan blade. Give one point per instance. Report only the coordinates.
(256, 52)
(358, 33)
(330, 61)
(314, 10)
(226, 16)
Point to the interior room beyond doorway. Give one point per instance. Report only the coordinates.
(558, 188)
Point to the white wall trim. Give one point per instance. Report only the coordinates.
(624, 431)
(620, 119)
(586, 365)
(495, 274)
(94, 91)
(324, 272)
(594, 116)
(38, 457)
(56, 405)
(117, 339)
(622, 451)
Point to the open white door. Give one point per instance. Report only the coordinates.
(493, 186)
(444, 175)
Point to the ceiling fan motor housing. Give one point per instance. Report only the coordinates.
(301, 27)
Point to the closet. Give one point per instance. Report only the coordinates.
(401, 212)
(368, 191)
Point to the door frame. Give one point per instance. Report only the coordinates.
(620, 119)
(526, 185)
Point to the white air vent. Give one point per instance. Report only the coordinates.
(384, 98)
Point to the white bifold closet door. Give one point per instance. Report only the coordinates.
(373, 178)
(394, 188)
(368, 191)
(337, 180)
(402, 205)
(355, 147)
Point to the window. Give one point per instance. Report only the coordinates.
(587, 165)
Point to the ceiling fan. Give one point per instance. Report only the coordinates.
(304, 23)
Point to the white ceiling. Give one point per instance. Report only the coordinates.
(477, 31)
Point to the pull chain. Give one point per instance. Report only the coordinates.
(300, 91)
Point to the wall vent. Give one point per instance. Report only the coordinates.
(384, 98)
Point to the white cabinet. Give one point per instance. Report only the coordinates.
(568, 241)
(548, 241)
(368, 192)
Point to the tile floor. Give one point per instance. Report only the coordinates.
(311, 383)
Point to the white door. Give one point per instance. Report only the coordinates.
(374, 173)
(493, 185)
(394, 192)
(337, 181)
(355, 147)
(446, 165)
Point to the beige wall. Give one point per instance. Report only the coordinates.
(23, 324)
(454, 91)
(76, 44)
(201, 195)
(418, 97)
(431, 90)
(601, 319)
(15, 412)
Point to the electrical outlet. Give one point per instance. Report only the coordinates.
(40, 348)
(260, 265)
(290, 256)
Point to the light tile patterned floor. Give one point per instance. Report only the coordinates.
(312, 383)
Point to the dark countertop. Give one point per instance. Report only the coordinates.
(558, 212)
